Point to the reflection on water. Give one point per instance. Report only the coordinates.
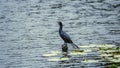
(29, 30)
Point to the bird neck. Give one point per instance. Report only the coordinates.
(60, 28)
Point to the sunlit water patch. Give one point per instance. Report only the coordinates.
(58, 59)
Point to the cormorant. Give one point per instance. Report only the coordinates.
(66, 38)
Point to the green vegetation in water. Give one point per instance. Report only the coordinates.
(116, 53)
(105, 48)
(110, 54)
(78, 51)
(113, 66)
(110, 50)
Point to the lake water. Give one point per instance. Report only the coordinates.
(29, 29)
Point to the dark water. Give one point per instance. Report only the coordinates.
(29, 29)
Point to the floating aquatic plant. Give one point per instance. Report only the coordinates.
(110, 54)
(113, 66)
(78, 50)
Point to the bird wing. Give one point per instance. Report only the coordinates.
(66, 37)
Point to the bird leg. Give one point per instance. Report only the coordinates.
(65, 47)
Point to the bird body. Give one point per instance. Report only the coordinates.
(65, 36)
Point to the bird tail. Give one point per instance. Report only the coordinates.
(75, 46)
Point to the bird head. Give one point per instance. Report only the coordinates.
(60, 23)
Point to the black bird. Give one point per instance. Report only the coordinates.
(65, 36)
